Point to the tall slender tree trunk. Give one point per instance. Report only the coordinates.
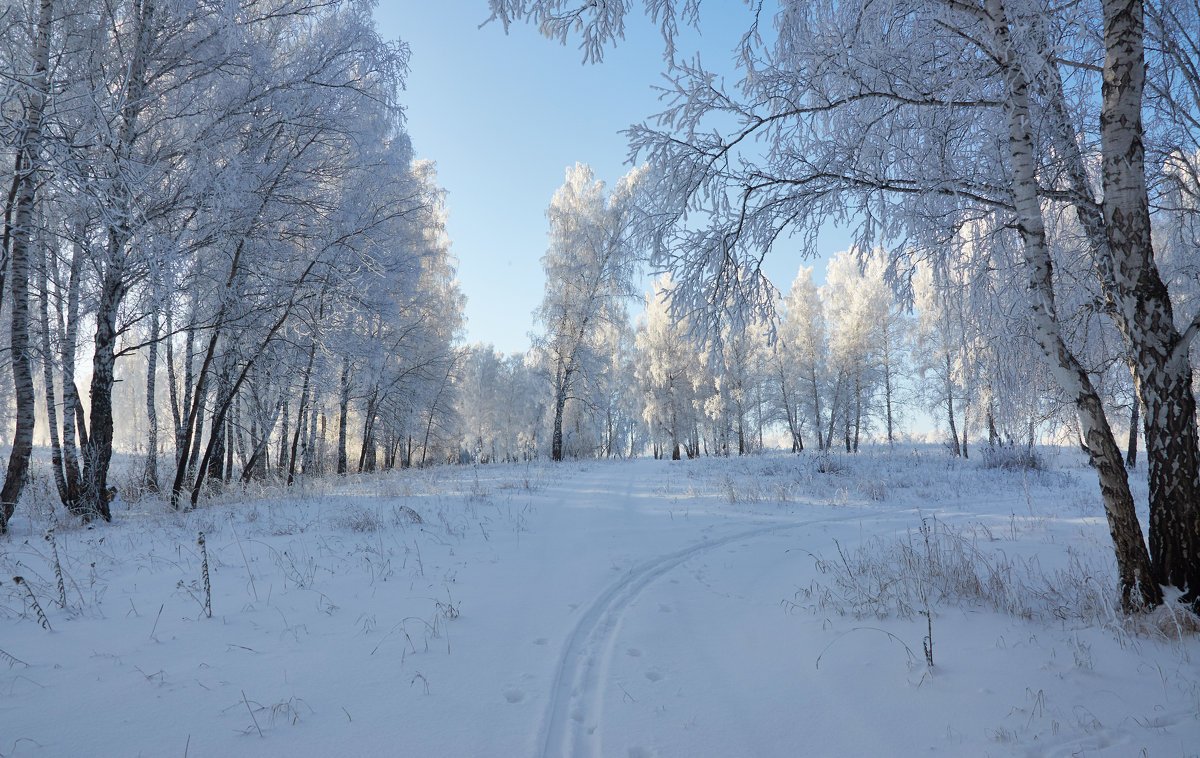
(1118, 229)
(950, 409)
(837, 394)
(1131, 449)
(887, 385)
(74, 428)
(150, 475)
(238, 414)
(216, 425)
(560, 402)
(318, 444)
(368, 434)
(56, 455)
(229, 425)
(172, 381)
(98, 453)
(966, 425)
(98, 450)
(300, 413)
(343, 412)
(282, 457)
(674, 435)
(20, 240)
(857, 409)
(1165, 386)
(816, 395)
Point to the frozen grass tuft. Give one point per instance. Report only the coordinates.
(940, 565)
(1012, 457)
(358, 518)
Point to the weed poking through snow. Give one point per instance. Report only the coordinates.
(58, 572)
(204, 576)
(41, 616)
(11, 659)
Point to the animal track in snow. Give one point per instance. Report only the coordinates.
(514, 695)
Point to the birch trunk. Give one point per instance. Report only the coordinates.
(1131, 448)
(1172, 447)
(56, 455)
(20, 239)
(150, 475)
(950, 409)
(1137, 586)
(887, 386)
(282, 457)
(300, 414)
(560, 402)
(816, 395)
(172, 380)
(1118, 230)
(343, 411)
(73, 426)
(99, 448)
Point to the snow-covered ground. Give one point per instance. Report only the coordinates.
(771, 606)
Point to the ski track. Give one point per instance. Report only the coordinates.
(577, 694)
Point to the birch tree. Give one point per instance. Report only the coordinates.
(589, 269)
(18, 251)
(802, 359)
(670, 375)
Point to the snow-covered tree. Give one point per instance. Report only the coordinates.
(226, 193)
(670, 375)
(802, 359)
(589, 269)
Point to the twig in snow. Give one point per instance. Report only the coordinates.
(11, 659)
(249, 709)
(156, 618)
(45, 622)
(58, 572)
(204, 574)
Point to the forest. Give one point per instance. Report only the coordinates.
(225, 271)
(214, 213)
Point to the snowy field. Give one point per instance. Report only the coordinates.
(771, 606)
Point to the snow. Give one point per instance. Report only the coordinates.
(613, 608)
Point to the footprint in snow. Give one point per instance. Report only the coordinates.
(664, 608)
(541, 641)
(655, 675)
(514, 695)
(634, 652)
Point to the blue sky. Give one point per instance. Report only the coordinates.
(503, 116)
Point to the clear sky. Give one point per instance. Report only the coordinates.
(504, 116)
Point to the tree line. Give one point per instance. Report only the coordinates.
(225, 191)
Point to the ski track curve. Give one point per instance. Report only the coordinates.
(576, 695)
